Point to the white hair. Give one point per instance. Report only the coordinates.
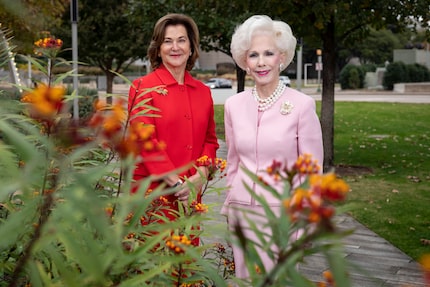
(281, 31)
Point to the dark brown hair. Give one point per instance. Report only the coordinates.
(160, 31)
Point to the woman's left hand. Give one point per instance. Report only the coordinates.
(196, 180)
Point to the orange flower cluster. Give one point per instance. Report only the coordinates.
(176, 243)
(329, 281)
(49, 43)
(315, 204)
(198, 207)
(229, 264)
(45, 101)
(306, 165)
(219, 166)
(110, 120)
(204, 161)
(274, 170)
(425, 264)
(109, 211)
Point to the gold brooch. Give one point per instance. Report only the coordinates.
(286, 108)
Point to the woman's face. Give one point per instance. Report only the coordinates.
(263, 59)
(175, 49)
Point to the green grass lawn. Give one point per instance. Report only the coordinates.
(392, 141)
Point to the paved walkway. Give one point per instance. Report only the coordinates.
(385, 265)
(220, 95)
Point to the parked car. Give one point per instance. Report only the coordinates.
(218, 83)
(285, 80)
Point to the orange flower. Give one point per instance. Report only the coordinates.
(49, 42)
(425, 264)
(213, 166)
(48, 46)
(45, 101)
(203, 161)
(221, 164)
(305, 165)
(329, 186)
(275, 168)
(328, 276)
(199, 207)
(110, 119)
(314, 204)
(178, 243)
(109, 211)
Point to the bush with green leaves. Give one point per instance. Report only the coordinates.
(68, 218)
(351, 77)
(399, 72)
(86, 100)
(396, 73)
(418, 73)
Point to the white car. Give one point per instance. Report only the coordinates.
(218, 83)
(285, 80)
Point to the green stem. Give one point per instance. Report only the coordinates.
(44, 215)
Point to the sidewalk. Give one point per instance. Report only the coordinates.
(220, 95)
(385, 264)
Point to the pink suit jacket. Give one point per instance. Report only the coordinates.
(254, 142)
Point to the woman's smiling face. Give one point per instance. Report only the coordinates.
(263, 59)
(176, 47)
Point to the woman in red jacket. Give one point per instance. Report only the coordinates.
(184, 120)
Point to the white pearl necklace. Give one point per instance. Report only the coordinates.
(265, 104)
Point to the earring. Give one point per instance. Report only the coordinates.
(248, 70)
(281, 67)
(191, 53)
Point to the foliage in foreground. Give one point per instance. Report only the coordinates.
(68, 218)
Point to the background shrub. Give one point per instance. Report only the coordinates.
(418, 73)
(399, 72)
(87, 96)
(395, 73)
(352, 77)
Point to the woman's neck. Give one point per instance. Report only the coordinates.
(265, 91)
(178, 73)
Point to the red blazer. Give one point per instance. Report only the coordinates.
(185, 123)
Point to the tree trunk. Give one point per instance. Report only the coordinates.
(327, 103)
(240, 75)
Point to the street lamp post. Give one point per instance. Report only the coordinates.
(74, 20)
(319, 68)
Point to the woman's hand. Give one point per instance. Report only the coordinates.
(197, 180)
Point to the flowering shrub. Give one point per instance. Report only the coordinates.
(48, 46)
(67, 216)
(303, 227)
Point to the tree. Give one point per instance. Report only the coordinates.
(329, 24)
(332, 23)
(26, 19)
(109, 36)
(325, 24)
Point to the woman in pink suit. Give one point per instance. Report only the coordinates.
(184, 122)
(268, 122)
